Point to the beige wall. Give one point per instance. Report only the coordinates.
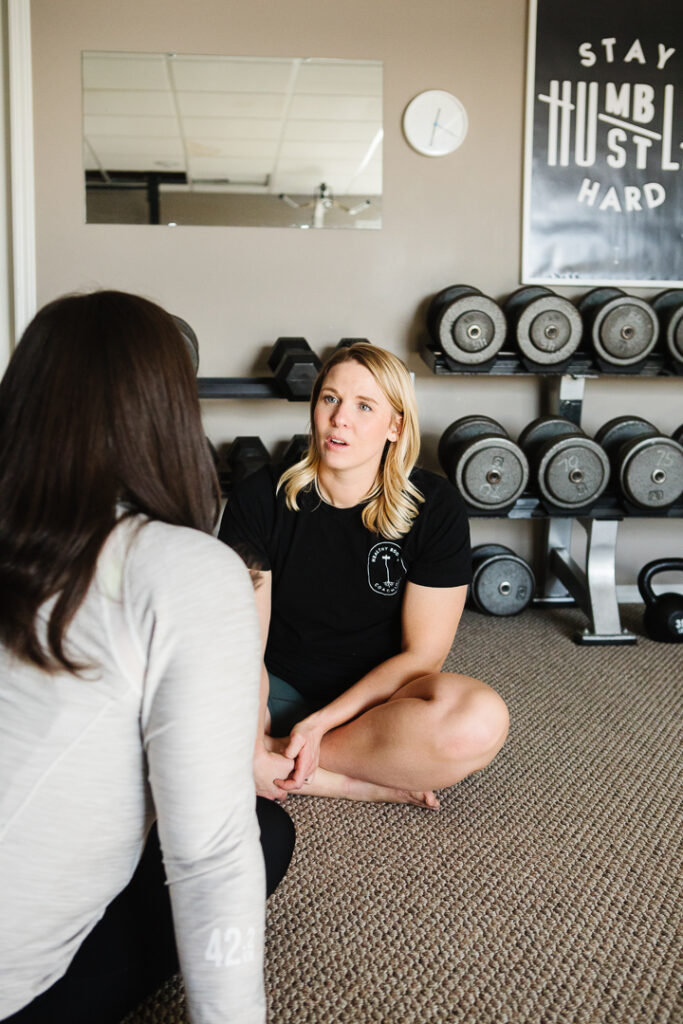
(6, 312)
(445, 221)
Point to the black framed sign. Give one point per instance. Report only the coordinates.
(603, 181)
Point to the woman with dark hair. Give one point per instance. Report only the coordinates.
(366, 563)
(129, 668)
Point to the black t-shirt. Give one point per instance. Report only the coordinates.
(337, 587)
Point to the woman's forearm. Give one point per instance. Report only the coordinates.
(263, 718)
(375, 687)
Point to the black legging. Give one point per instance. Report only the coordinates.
(132, 951)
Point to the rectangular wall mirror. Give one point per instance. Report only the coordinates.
(177, 139)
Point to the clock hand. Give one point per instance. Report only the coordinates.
(435, 126)
(445, 129)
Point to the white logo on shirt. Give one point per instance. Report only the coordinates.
(385, 568)
(230, 948)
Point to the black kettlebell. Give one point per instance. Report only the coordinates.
(663, 619)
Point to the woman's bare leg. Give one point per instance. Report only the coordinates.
(432, 733)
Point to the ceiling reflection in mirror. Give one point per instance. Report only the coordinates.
(177, 139)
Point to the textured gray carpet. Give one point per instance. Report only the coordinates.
(548, 888)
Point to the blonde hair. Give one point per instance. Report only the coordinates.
(393, 501)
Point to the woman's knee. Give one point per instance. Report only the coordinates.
(477, 723)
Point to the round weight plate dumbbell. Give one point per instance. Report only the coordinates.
(668, 306)
(623, 329)
(502, 582)
(678, 434)
(486, 466)
(570, 469)
(295, 366)
(190, 340)
(646, 465)
(468, 327)
(545, 327)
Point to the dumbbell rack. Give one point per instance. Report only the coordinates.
(593, 586)
(238, 387)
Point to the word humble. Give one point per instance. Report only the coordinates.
(628, 108)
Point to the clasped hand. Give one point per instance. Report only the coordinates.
(304, 747)
(269, 764)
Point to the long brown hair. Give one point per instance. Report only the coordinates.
(98, 407)
(394, 501)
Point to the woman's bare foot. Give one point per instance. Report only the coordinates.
(324, 783)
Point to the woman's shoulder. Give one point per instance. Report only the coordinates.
(442, 501)
(167, 553)
(434, 486)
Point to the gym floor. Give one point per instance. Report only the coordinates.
(547, 890)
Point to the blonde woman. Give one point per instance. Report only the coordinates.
(366, 561)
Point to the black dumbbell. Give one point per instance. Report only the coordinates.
(668, 306)
(190, 340)
(296, 449)
(213, 452)
(295, 367)
(486, 466)
(245, 455)
(348, 342)
(678, 434)
(663, 618)
(502, 582)
(569, 469)
(544, 327)
(622, 329)
(467, 326)
(647, 466)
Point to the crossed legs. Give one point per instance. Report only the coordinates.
(430, 734)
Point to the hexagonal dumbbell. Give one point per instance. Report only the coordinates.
(467, 326)
(544, 327)
(647, 466)
(245, 456)
(190, 340)
(295, 367)
(569, 470)
(622, 329)
(486, 466)
(502, 582)
(668, 306)
(296, 449)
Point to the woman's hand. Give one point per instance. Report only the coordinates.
(268, 766)
(304, 747)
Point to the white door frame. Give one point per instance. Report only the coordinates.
(22, 173)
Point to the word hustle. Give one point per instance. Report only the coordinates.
(637, 125)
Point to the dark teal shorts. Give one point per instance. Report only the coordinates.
(286, 705)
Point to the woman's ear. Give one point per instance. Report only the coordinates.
(395, 428)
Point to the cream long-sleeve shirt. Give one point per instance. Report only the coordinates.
(164, 724)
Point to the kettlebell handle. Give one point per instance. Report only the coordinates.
(651, 569)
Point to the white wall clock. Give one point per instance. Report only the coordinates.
(435, 122)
